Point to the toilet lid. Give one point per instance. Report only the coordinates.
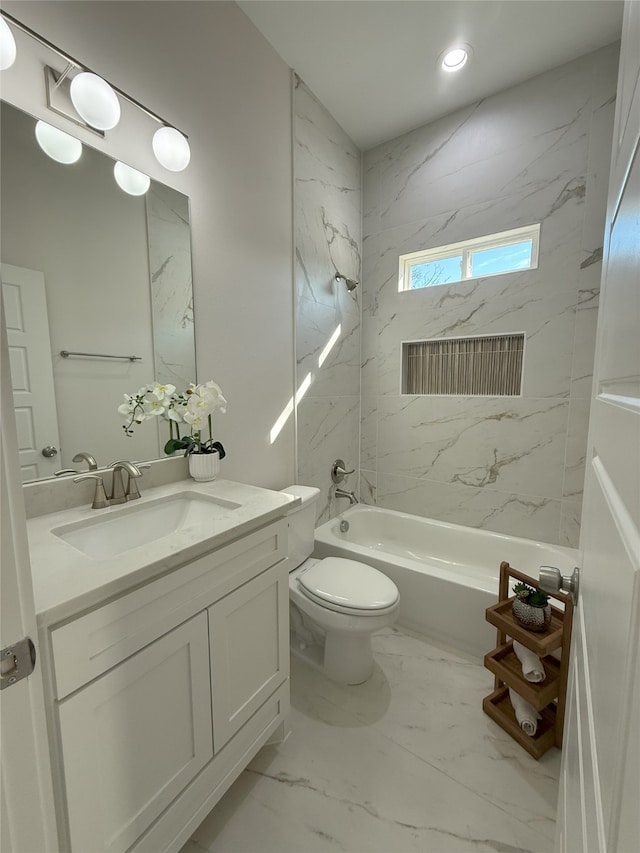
(348, 583)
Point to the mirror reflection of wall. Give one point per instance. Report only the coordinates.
(117, 280)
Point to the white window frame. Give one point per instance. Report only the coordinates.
(467, 248)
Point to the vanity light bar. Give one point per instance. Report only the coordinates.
(71, 62)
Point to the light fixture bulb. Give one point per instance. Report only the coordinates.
(131, 180)
(57, 144)
(171, 149)
(95, 101)
(454, 58)
(7, 46)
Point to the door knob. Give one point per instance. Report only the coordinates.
(552, 580)
(49, 451)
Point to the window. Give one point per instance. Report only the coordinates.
(489, 365)
(509, 251)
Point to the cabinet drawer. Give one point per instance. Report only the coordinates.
(93, 643)
(134, 738)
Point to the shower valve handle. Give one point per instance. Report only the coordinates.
(339, 472)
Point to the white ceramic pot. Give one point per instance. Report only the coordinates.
(204, 466)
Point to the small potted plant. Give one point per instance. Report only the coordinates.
(531, 608)
(194, 408)
(204, 453)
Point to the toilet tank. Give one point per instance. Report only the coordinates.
(302, 523)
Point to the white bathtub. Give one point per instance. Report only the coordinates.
(447, 574)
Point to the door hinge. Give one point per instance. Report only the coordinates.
(17, 662)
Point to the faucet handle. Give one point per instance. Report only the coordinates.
(99, 496)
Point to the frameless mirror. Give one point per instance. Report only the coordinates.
(101, 276)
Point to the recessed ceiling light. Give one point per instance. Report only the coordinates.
(454, 58)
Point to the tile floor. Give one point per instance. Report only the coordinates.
(406, 762)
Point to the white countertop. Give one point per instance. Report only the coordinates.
(66, 581)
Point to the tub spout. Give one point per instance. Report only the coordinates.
(342, 493)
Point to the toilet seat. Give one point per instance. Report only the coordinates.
(348, 586)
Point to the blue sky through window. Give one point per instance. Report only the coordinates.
(479, 257)
(442, 271)
(516, 256)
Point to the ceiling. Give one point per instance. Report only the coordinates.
(373, 63)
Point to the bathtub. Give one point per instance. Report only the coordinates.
(447, 574)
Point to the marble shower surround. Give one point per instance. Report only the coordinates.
(536, 152)
(328, 198)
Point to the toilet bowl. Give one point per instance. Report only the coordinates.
(335, 604)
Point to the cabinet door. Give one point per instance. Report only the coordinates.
(249, 635)
(133, 739)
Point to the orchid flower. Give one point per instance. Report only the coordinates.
(194, 407)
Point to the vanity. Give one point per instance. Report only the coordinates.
(164, 639)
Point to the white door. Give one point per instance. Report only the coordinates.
(27, 821)
(599, 805)
(31, 370)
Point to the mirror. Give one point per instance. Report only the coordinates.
(105, 276)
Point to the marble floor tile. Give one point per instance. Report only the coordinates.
(405, 762)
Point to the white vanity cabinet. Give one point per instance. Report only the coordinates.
(162, 696)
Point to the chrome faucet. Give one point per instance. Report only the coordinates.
(119, 494)
(342, 493)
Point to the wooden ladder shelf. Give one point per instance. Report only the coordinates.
(547, 697)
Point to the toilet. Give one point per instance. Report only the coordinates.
(335, 605)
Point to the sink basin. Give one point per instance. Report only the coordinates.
(134, 524)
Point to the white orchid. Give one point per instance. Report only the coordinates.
(153, 408)
(194, 408)
(203, 400)
(128, 406)
(196, 420)
(162, 392)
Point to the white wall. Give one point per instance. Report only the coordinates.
(537, 152)
(205, 68)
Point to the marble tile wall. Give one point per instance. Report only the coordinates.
(328, 226)
(169, 236)
(538, 152)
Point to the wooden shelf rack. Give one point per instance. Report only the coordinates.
(547, 697)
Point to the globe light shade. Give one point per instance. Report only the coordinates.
(95, 101)
(171, 149)
(131, 180)
(57, 144)
(7, 46)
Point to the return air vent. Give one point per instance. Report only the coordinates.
(482, 366)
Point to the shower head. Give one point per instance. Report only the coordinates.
(350, 282)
